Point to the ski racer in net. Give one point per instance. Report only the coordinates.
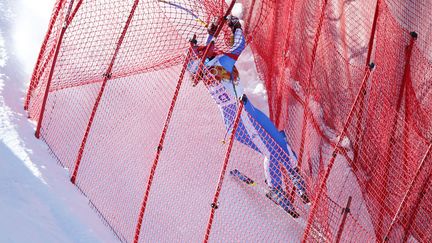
(255, 129)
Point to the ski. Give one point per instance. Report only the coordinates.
(243, 177)
(268, 194)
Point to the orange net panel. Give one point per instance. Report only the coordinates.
(145, 146)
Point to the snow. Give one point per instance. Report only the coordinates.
(37, 201)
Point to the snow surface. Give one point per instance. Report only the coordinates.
(37, 201)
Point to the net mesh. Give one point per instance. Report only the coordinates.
(118, 117)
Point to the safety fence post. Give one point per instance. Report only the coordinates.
(345, 212)
(107, 76)
(323, 183)
(414, 181)
(34, 80)
(416, 209)
(373, 33)
(215, 203)
(160, 146)
(368, 61)
(251, 8)
(406, 81)
(392, 142)
(51, 73)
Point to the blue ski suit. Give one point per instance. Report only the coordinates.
(255, 129)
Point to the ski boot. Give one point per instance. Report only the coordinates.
(303, 195)
(305, 198)
(278, 197)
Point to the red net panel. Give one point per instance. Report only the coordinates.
(183, 186)
(146, 148)
(326, 47)
(44, 63)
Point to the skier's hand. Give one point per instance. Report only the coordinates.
(212, 29)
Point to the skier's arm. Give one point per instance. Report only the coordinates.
(211, 31)
(239, 42)
(209, 39)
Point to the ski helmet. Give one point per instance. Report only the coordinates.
(233, 22)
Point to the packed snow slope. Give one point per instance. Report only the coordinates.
(37, 201)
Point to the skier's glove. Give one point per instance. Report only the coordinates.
(193, 41)
(212, 29)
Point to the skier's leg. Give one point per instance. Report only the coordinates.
(283, 159)
(265, 125)
(272, 165)
(274, 180)
(228, 106)
(297, 180)
(272, 170)
(247, 134)
(279, 147)
(272, 173)
(294, 173)
(241, 135)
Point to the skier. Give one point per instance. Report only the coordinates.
(255, 129)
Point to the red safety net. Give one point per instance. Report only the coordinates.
(314, 66)
(117, 108)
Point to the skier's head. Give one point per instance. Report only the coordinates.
(233, 22)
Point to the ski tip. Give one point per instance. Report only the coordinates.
(253, 184)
